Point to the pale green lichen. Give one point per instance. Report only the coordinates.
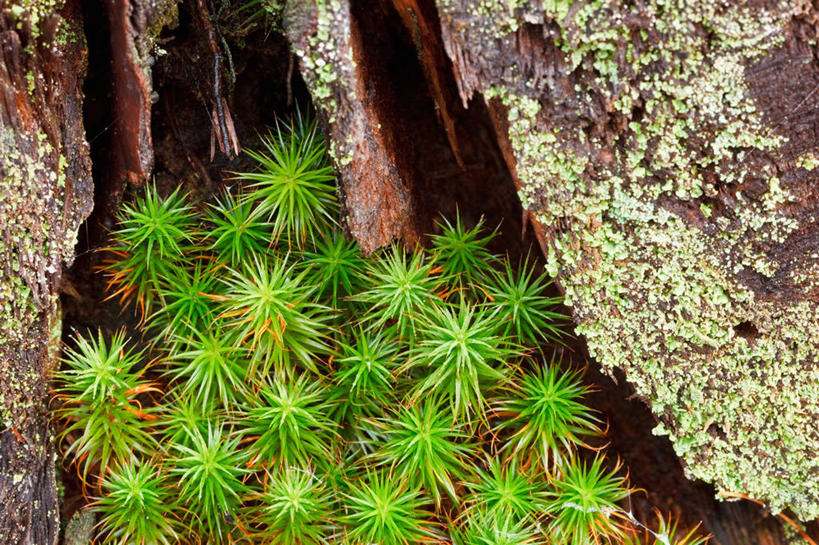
(32, 251)
(808, 161)
(33, 12)
(326, 56)
(652, 292)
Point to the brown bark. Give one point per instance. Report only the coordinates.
(44, 195)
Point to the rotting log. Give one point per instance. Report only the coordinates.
(45, 193)
(666, 154)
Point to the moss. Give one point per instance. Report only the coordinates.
(653, 293)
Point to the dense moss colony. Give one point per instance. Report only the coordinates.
(289, 390)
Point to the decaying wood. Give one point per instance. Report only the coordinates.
(379, 204)
(45, 192)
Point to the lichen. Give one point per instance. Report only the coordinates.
(325, 53)
(33, 12)
(653, 292)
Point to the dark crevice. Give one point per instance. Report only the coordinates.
(413, 126)
(747, 330)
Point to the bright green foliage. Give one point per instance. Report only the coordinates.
(151, 241)
(183, 420)
(135, 505)
(209, 369)
(507, 492)
(189, 304)
(385, 510)
(426, 447)
(291, 425)
(462, 252)
(462, 356)
(519, 297)
(335, 267)
(364, 379)
(100, 388)
(400, 288)
(584, 504)
(294, 185)
(547, 417)
(316, 396)
(491, 528)
(237, 234)
(210, 479)
(295, 508)
(269, 307)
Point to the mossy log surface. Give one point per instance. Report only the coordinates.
(45, 193)
(666, 154)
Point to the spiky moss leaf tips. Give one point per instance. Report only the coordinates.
(269, 307)
(383, 509)
(236, 235)
(584, 505)
(461, 252)
(135, 505)
(182, 420)
(363, 380)
(519, 296)
(296, 507)
(315, 396)
(489, 528)
(665, 534)
(547, 417)
(461, 355)
(294, 187)
(335, 267)
(210, 473)
(507, 492)
(290, 425)
(426, 447)
(399, 289)
(100, 387)
(209, 369)
(150, 244)
(189, 305)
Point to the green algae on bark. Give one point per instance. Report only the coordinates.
(680, 207)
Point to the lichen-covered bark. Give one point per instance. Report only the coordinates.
(327, 44)
(669, 150)
(45, 192)
(667, 153)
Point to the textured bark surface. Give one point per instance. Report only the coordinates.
(666, 153)
(45, 193)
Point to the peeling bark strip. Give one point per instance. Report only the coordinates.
(668, 155)
(327, 42)
(45, 193)
(133, 26)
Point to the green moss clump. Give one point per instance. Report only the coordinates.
(310, 394)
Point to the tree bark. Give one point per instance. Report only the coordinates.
(45, 193)
(665, 154)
